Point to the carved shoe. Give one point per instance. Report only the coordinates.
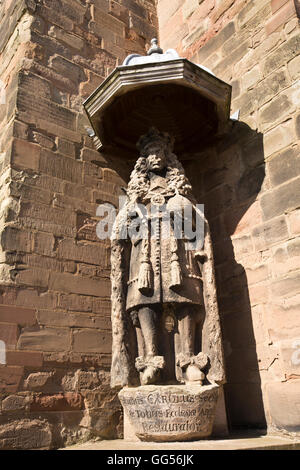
(149, 375)
(194, 374)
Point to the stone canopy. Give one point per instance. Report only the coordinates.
(161, 90)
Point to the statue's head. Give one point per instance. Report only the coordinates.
(156, 155)
(155, 147)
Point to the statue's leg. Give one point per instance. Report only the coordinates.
(148, 322)
(186, 330)
(189, 318)
(150, 365)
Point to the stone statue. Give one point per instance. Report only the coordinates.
(165, 319)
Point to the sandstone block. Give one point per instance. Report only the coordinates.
(271, 85)
(19, 315)
(26, 359)
(189, 7)
(37, 277)
(14, 402)
(43, 243)
(9, 334)
(251, 78)
(43, 140)
(88, 253)
(166, 10)
(284, 166)
(36, 111)
(294, 68)
(76, 303)
(25, 434)
(71, 40)
(68, 401)
(136, 8)
(60, 167)
(10, 378)
(280, 17)
(25, 154)
(284, 404)
(287, 286)
(275, 111)
(249, 11)
(298, 125)
(37, 381)
(242, 246)
(108, 22)
(258, 294)
(29, 82)
(66, 147)
(276, 4)
(286, 52)
(281, 199)
(294, 222)
(257, 273)
(51, 318)
(103, 423)
(269, 233)
(86, 380)
(53, 15)
(290, 356)
(249, 185)
(67, 69)
(278, 138)
(76, 284)
(88, 341)
(45, 339)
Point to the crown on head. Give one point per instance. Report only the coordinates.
(154, 136)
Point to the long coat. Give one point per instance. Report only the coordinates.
(163, 252)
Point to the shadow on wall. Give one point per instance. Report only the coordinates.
(227, 178)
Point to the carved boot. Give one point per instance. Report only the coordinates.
(149, 368)
(192, 367)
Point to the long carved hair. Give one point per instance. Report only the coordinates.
(139, 182)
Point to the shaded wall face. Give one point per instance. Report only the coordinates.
(250, 187)
(54, 272)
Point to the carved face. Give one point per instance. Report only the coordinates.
(156, 160)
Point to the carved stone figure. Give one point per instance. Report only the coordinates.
(165, 320)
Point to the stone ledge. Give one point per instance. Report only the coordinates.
(243, 440)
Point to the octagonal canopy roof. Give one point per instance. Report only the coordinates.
(161, 90)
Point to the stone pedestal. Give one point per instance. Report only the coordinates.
(170, 412)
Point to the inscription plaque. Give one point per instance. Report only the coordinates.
(170, 412)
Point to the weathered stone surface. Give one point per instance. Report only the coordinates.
(14, 402)
(22, 358)
(46, 339)
(284, 166)
(10, 378)
(281, 199)
(170, 413)
(90, 340)
(68, 401)
(284, 404)
(86, 380)
(36, 381)
(25, 434)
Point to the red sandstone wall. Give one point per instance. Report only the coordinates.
(54, 272)
(250, 187)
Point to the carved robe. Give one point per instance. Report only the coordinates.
(166, 256)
